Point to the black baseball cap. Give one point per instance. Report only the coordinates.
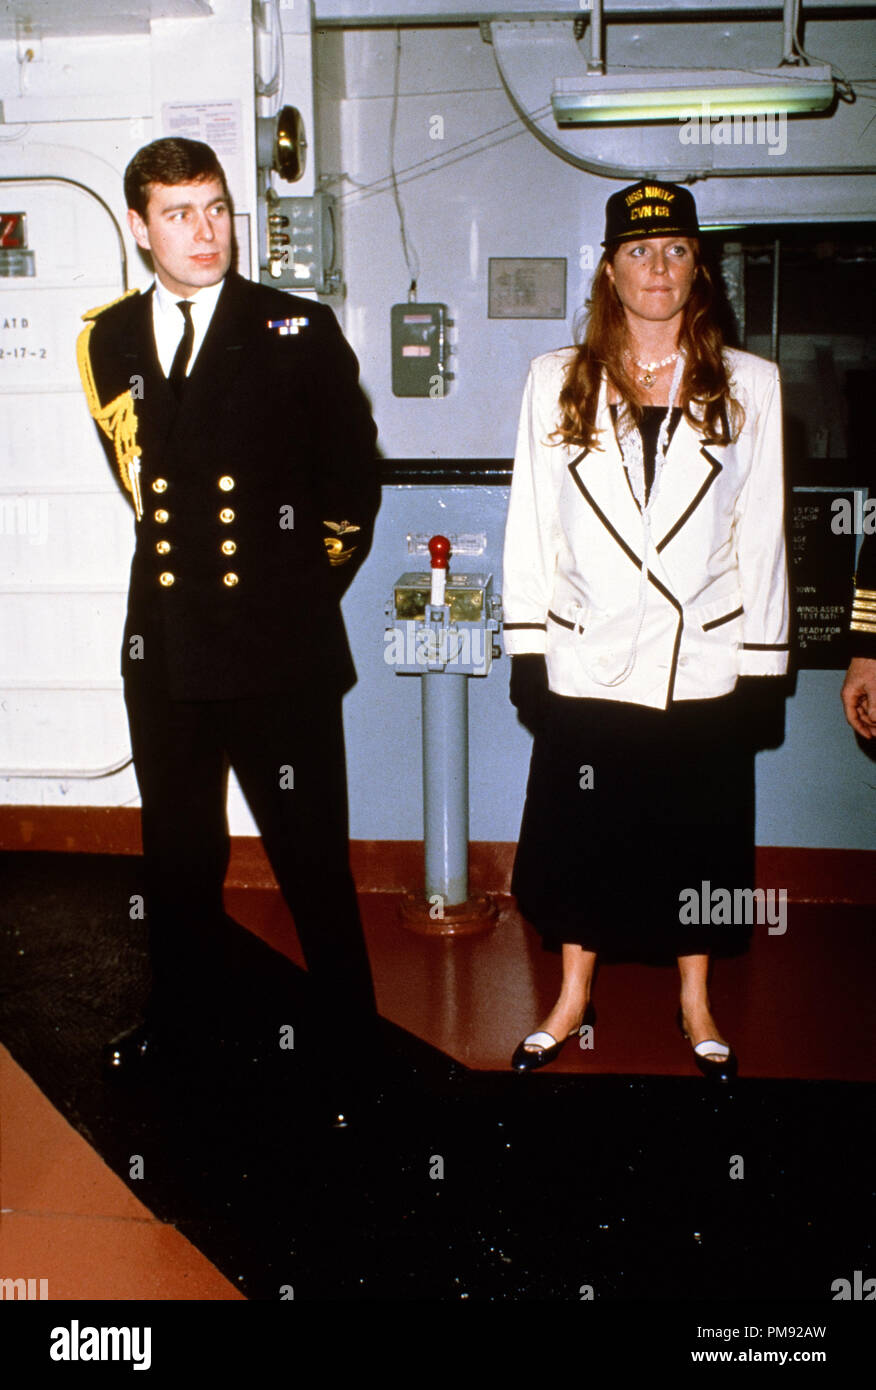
(650, 208)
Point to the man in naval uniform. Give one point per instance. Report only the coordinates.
(234, 417)
(859, 687)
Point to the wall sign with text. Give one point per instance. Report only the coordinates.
(15, 258)
(527, 287)
(821, 561)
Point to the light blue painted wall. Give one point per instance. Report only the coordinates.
(817, 790)
(383, 711)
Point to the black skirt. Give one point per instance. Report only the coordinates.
(627, 810)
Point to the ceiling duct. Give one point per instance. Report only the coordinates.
(552, 69)
(47, 19)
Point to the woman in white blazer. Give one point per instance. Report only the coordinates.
(644, 574)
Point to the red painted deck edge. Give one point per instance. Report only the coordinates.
(396, 866)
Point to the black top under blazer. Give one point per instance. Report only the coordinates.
(231, 591)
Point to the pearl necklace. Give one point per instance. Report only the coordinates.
(649, 368)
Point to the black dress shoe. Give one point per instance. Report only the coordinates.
(346, 1106)
(128, 1053)
(351, 1097)
(722, 1066)
(341, 1115)
(538, 1049)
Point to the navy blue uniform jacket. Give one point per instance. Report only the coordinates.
(269, 455)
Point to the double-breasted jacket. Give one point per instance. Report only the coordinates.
(255, 495)
(716, 597)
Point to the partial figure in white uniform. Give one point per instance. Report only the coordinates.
(644, 584)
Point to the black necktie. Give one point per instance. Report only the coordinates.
(177, 375)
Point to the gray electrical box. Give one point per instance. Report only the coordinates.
(297, 243)
(419, 350)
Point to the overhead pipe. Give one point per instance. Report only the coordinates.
(791, 33)
(66, 774)
(530, 55)
(596, 63)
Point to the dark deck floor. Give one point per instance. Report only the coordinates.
(611, 1169)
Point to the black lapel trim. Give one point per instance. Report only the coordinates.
(637, 561)
(563, 622)
(686, 515)
(139, 327)
(628, 551)
(727, 618)
(516, 627)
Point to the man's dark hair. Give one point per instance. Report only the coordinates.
(170, 161)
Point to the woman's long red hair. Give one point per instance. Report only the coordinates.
(704, 394)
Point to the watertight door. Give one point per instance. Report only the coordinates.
(66, 534)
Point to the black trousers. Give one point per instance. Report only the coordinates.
(288, 754)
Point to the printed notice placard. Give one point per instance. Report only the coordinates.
(821, 563)
(218, 124)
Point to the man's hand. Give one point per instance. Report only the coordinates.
(859, 695)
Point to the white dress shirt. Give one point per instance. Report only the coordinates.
(168, 322)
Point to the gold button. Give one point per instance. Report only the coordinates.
(226, 483)
(163, 547)
(229, 547)
(226, 516)
(159, 485)
(229, 580)
(161, 516)
(166, 579)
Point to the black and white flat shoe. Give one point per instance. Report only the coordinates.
(715, 1060)
(538, 1049)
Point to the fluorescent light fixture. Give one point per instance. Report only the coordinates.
(648, 95)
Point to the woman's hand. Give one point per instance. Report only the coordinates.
(528, 690)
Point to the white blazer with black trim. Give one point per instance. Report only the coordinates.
(717, 592)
